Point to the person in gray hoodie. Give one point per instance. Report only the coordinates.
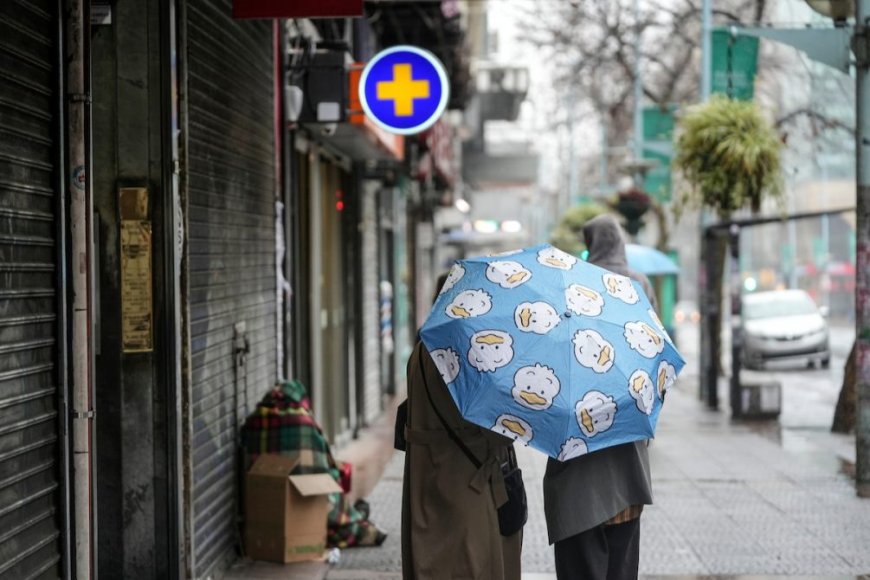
(593, 503)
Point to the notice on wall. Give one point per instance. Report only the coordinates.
(137, 311)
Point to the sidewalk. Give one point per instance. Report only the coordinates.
(371, 454)
(730, 499)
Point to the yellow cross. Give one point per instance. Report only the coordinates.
(402, 90)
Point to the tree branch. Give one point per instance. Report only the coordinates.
(813, 115)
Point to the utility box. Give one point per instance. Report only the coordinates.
(320, 79)
(762, 400)
(285, 514)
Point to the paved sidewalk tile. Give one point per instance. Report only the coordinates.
(249, 570)
(730, 500)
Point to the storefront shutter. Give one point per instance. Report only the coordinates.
(31, 463)
(231, 221)
(372, 403)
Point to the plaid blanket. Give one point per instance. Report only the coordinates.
(283, 423)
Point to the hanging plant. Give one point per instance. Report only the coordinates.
(730, 156)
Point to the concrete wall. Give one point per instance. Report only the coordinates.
(129, 148)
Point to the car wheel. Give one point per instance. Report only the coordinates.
(826, 363)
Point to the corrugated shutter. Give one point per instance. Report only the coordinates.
(30, 442)
(370, 306)
(232, 254)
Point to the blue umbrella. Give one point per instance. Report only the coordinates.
(649, 261)
(552, 351)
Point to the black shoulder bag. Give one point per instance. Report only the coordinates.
(399, 443)
(513, 514)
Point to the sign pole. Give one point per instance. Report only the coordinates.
(706, 49)
(638, 90)
(736, 319)
(709, 373)
(860, 46)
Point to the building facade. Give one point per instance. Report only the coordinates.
(233, 241)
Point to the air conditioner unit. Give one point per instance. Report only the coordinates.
(316, 88)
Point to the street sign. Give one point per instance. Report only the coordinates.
(820, 253)
(658, 136)
(735, 63)
(297, 8)
(404, 89)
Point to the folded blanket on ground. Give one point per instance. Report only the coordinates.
(283, 423)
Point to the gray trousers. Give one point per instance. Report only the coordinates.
(602, 553)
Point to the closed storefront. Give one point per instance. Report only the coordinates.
(389, 287)
(323, 275)
(370, 303)
(32, 464)
(335, 282)
(332, 397)
(231, 259)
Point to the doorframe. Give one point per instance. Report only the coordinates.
(169, 364)
(64, 370)
(315, 249)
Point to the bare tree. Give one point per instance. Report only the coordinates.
(592, 45)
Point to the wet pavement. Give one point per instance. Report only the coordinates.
(728, 501)
(731, 499)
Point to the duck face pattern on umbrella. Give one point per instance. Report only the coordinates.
(535, 387)
(490, 350)
(583, 300)
(551, 351)
(537, 317)
(447, 362)
(469, 303)
(507, 274)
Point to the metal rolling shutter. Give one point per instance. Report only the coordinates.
(30, 442)
(370, 304)
(232, 254)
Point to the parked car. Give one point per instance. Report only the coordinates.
(784, 325)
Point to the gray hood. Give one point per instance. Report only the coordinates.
(603, 237)
(586, 491)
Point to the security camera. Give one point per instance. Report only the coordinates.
(329, 129)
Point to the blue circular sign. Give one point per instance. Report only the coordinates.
(404, 89)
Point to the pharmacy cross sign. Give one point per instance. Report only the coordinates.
(404, 89)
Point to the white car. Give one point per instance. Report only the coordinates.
(783, 325)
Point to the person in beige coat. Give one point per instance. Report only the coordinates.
(449, 507)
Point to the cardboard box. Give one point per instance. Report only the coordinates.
(285, 515)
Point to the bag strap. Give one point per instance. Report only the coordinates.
(468, 453)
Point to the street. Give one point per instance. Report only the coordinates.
(228, 224)
(730, 499)
(809, 394)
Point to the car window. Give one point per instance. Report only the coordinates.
(778, 305)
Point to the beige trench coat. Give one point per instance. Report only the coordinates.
(449, 507)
